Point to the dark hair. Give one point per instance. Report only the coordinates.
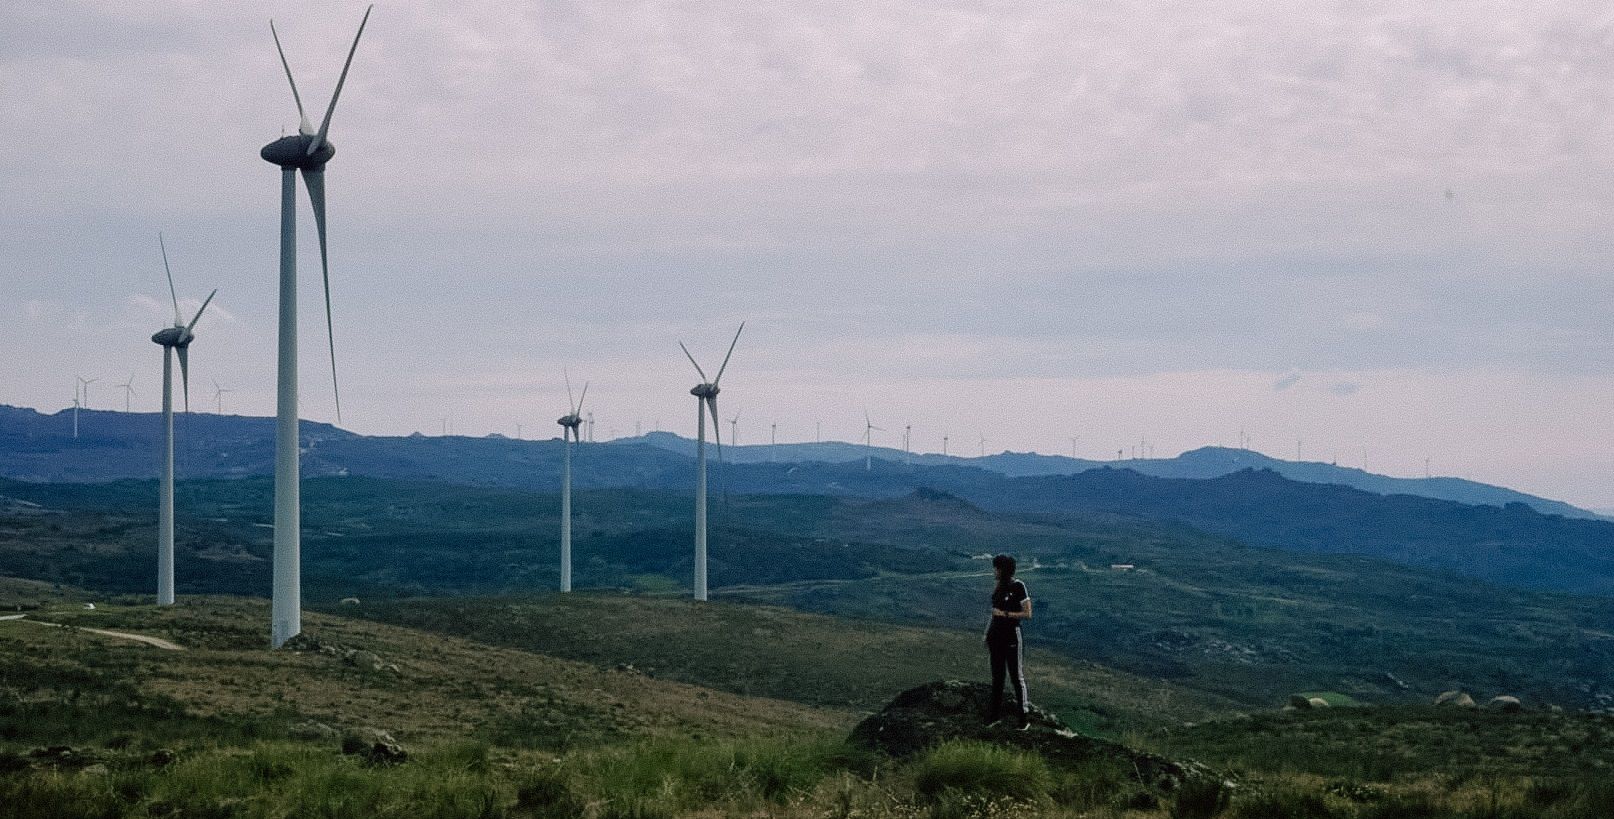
(1005, 563)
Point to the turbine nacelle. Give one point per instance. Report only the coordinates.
(705, 391)
(571, 422)
(297, 152)
(173, 337)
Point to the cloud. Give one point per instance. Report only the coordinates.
(1288, 380)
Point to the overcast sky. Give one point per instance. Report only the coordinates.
(1372, 229)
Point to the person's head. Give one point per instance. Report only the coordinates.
(1003, 567)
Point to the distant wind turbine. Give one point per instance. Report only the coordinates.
(175, 339)
(983, 445)
(734, 429)
(76, 389)
(907, 439)
(568, 433)
(944, 444)
(128, 390)
(705, 400)
(1073, 439)
(218, 397)
(868, 441)
(307, 153)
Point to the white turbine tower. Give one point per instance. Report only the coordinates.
(306, 152)
(568, 433)
(868, 442)
(75, 407)
(128, 391)
(175, 339)
(705, 400)
(84, 385)
(734, 430)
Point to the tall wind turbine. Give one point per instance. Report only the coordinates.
(705, 400)
(307, 152)
(128, 391)
(568, 433)
(76, 388)
(734, 429)
(175, 339)
(868, 442)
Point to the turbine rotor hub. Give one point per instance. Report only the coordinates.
(292, 152)
(704, 390)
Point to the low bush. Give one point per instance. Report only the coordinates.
(976, 768)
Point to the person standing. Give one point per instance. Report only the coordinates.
(1011, 605)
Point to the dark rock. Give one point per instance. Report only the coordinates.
(163, 757)
(374, 746)
(1299, 703)
(937, 712)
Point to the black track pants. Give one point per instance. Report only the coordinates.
(1005, 652)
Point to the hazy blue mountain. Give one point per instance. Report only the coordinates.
(1205, 462)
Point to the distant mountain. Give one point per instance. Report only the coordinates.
(1514, 543)
(1205, 462)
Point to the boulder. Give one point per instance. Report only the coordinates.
(1317, 702)
(367, 660)
(374, 746)
(1505, 703)
(1299, 702)
(350, 601)
(1459, 699)
(936, 712)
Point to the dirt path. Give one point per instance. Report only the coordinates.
(155, 642)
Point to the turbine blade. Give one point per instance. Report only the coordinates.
(198, 316)
(324, 127)
(302, 126)
(569, 397)
(717, 427)
(692, 360)
(315, 181)
(730, 353)
(185, 374)
(582, 397)
(171, 293)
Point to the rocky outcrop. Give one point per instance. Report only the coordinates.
(937, 712)
(1458, 699)
(374, 747)
(1505, 703)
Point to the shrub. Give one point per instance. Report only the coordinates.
(1285, 804)
(981, 769)
(1200, 797)
(550, 793)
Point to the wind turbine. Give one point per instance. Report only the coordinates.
(128, 390)
(705, 400)
(175, 339)
(868, 445)
(907, 435)
(734, 429)
(944, 444)
(76, 388)
(218, 397)
(568, 433)
(307, 153)
(84, 384)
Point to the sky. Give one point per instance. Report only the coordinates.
(1354, 231)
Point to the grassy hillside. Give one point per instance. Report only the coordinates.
(95, 725)
(1245, 624)
(835, 662)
